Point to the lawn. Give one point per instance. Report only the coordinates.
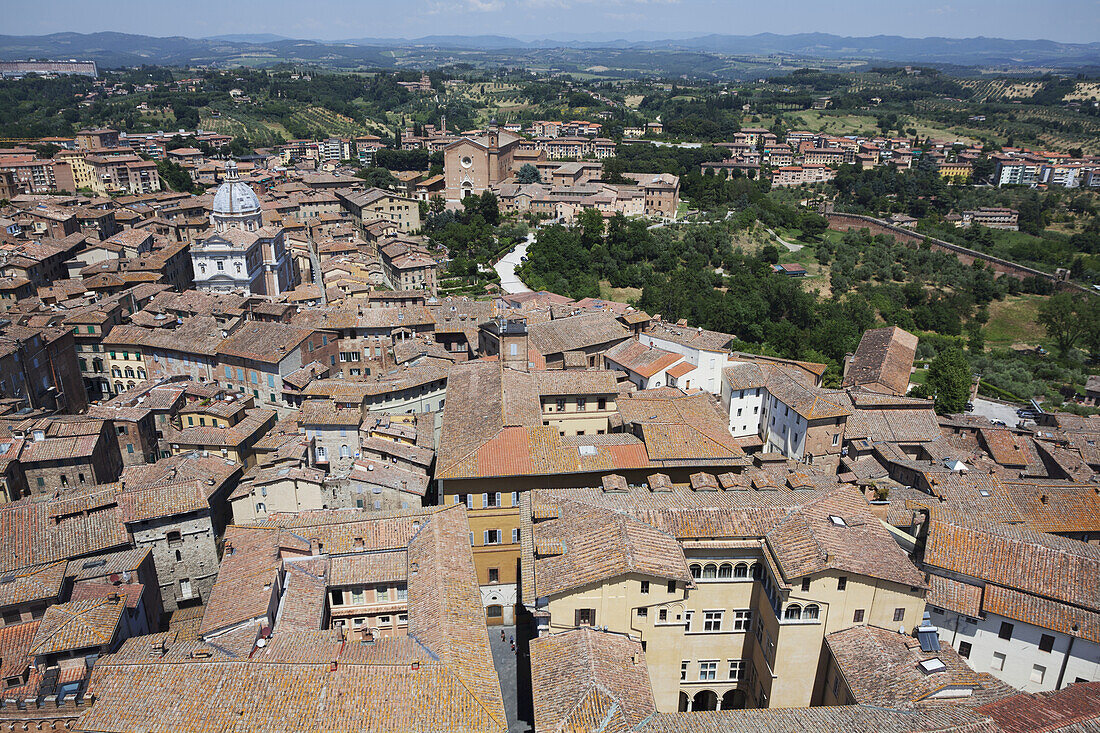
(619, 295)
(1013, 320)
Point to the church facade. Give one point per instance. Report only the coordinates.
(238, 254)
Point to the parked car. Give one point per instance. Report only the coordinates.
(995, 421)
(970, 407)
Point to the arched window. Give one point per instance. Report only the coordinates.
(710, 570)
(793, 612)
(725, 570)
(810, 612)
(118, 387)
(741, 570)
(757, 570)
(696, 571)
(129, 385)
(129, 372)
(116, 372)
(344, 451)
(141, 373)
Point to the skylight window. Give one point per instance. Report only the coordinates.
(983, 492)
(933, 665)
(837, 521)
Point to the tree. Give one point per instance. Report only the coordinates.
(175, 176)
(1061, 318)
(949, 381)
(591, 224)
(770, 254)
(528, 174)
(377, 177)
(1090, 320)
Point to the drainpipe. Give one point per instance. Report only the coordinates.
(1065, 660)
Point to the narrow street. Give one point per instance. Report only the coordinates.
(507, 265)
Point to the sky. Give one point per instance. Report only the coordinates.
(1058, 20)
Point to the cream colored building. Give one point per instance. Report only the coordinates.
(731, 584)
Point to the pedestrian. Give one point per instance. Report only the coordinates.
(513, 645)
(502, 634)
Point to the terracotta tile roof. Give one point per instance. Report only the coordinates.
(884, 358)
(102, 566)
(641, 359)
(15, 648)
(588, 544)
(1048, 614)
(40, 532)
(881, 667)
(78, 625)
(374, 567)
(677, 427)
(849, 718)
(576, 332)
(811, 541)
(586, 680)
(1018, 558)
(1056, 506)
(38, 582)
(954, 595)
(696, 338)
(264, 341)
(1074, 709)
(86, 590)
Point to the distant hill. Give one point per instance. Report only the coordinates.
(120, 49)
(248, 38)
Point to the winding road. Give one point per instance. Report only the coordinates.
(507, 265)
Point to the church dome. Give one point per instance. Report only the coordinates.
(234, 196)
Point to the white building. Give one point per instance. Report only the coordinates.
(239, 254)
(1019, 604)
(707, 351)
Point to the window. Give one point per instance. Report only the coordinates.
(683, 671)
(688, 616)
(643, 612)
(662, 615)
(741, 570)
(492, 536)
(494, 575)
(585, 617)
(805, 584)
(725, 570)
(515, 535)
(672, 586)
(793, 612)
(857, 617)
(742, 620)
(737, 668)
(582, 404)
(601, 403)
(710, 570)
(708, 670)
(998, 662)
(712, 621)
(1046, 643)
(696, 570)
(174, 538)
(560, 405)
(964, 649)
(515, 498)
(842, 582)
(836, 440)
(645, 586)
(402, 592)
(811, 612)
(1038, 672)
(185, 588)
(899, 614)
(382, 593)
(1006, 631)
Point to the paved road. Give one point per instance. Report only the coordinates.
(513, 673)
(789, 245)
(506, 268)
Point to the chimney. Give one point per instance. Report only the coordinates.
(1044, 498)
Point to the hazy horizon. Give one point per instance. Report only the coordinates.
(1076, 21)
